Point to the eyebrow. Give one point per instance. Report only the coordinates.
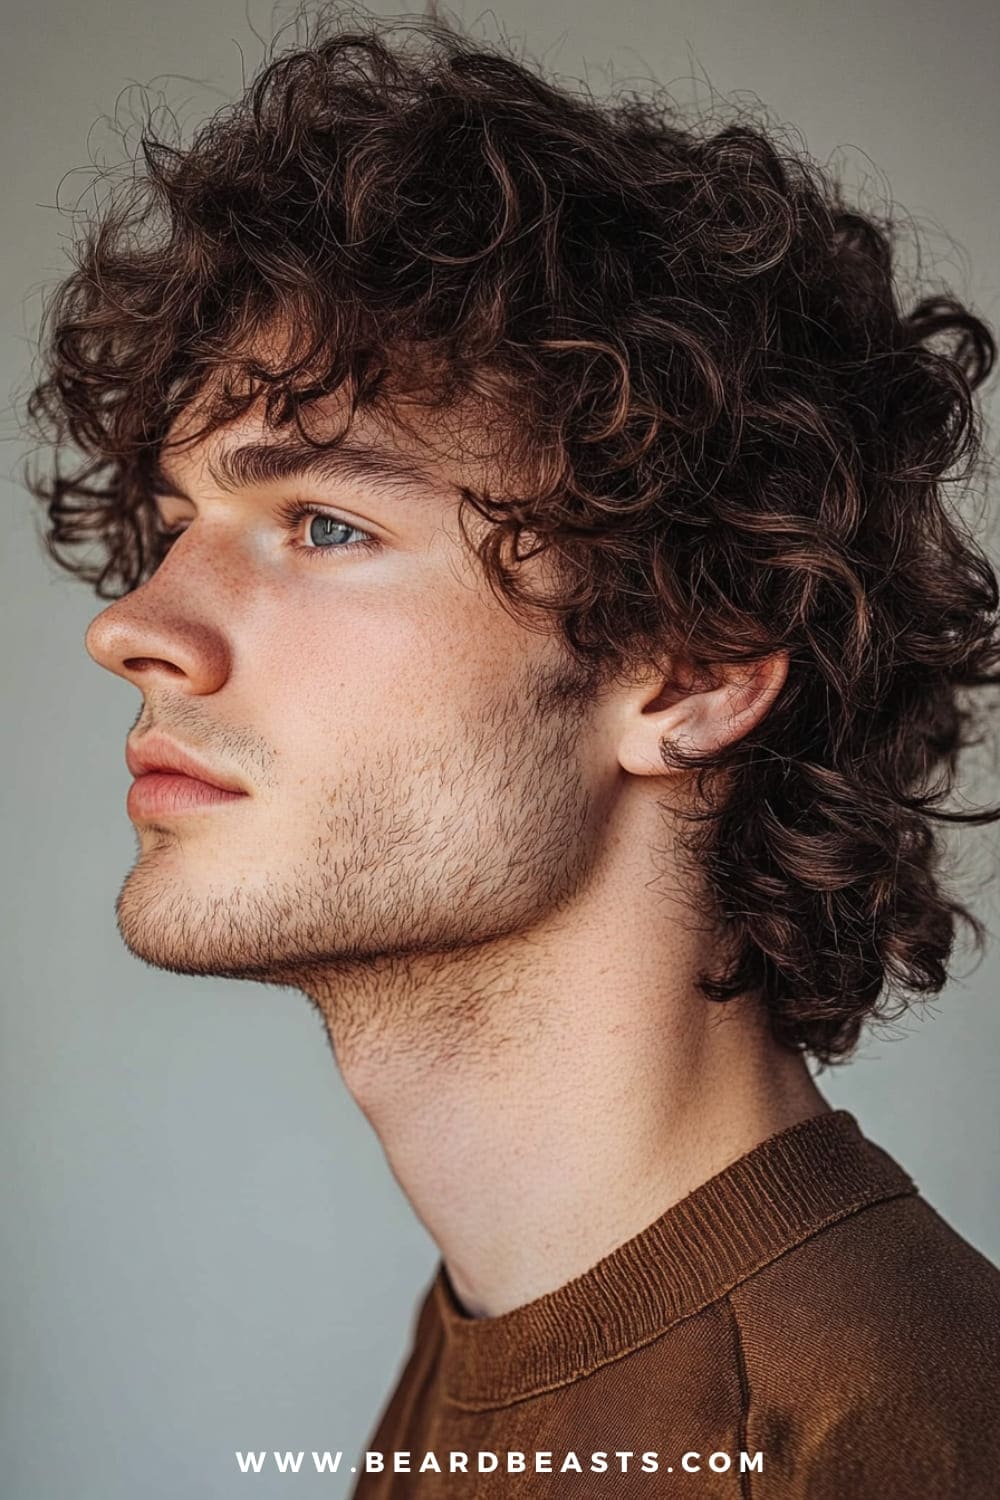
(381, 468)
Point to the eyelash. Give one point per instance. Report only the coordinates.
(292, 512)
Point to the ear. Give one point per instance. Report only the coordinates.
(700, 712)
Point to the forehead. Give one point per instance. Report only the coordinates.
(405, 443)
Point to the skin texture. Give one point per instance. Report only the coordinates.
(466, 868)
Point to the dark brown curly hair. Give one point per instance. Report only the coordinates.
(738, 437)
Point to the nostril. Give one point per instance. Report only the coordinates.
(139, 664)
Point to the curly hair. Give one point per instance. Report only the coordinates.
(738, 438)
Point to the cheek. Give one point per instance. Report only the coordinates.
(348, 661)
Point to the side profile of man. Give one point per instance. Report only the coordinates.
(524, 523)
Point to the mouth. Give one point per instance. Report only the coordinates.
(170, 779)
(156, 793)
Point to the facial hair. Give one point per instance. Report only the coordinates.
(420, 849)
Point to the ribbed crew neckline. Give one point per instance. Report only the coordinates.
(783, 1190)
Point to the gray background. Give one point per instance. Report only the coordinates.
(203, 1248)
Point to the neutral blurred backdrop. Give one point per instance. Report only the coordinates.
(203, 1249)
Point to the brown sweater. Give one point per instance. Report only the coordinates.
(805, 1307)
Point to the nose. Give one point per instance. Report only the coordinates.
(150, 638)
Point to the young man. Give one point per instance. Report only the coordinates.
(526, 524)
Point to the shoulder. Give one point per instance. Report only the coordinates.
(872, 1360)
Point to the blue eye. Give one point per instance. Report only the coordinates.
(324, 529)
(326, 533)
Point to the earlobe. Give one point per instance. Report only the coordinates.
(697, 713)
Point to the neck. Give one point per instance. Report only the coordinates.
(543, 1097)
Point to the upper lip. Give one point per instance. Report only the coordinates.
(152, 753)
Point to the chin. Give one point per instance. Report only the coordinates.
(162, 921)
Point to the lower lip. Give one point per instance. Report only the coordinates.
(160, 792)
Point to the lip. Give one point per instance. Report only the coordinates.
(169, 779)
(153, 753)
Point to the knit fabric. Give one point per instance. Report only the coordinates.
(805, 1307)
